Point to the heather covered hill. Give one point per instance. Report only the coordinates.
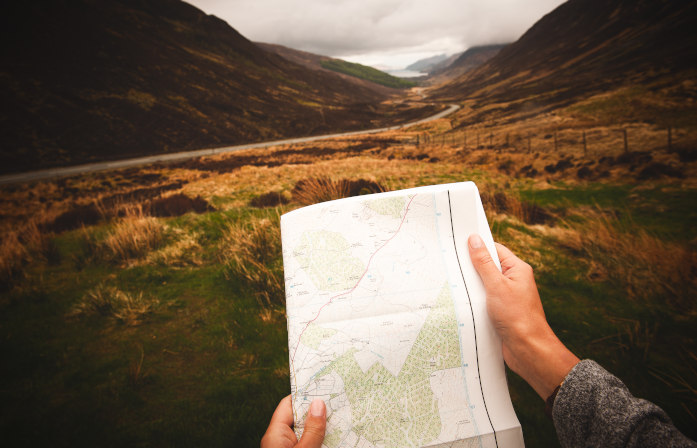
(88, 80)
(318, 62)
(585, 47)
(466, 61)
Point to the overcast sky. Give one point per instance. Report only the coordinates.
(384, 33)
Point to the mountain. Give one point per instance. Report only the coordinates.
(466, 61)
(445, 63)
(88, 80)
(584, 47)
(425, 65)
(369, 77)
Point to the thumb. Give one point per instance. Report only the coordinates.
(315, 425)
(483, 263)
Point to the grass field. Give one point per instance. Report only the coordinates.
(144, 307)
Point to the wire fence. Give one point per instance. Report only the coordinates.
(587, 143)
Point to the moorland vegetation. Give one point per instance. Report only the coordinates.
(145, 306)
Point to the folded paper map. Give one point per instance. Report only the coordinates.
(387, 321)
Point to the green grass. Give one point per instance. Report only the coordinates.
(367, 73)
(203, 350)
(209, 364)
(666, 211)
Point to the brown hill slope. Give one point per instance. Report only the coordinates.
(585, 47)
(465, 62)
(85, 80)
(314, 62)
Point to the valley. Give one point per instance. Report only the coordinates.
(144, 305)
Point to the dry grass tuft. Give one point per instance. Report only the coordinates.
(133, 236)
(649, 267)
(500, 202)
(322, 189)
(184, 251)
(13, 255)
(253, 253)
(109, 301)
(17, 248)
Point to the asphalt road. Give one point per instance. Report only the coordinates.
(138, 161)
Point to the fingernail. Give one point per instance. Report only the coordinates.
(476, 241)
(317, 408)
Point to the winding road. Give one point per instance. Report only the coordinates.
(127, 163)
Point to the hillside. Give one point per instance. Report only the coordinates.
(427, 64)
(586, 47)
(368, 73)
(89, 80)
(468, 60)
(314, 62)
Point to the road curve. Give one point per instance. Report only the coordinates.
(127, 163)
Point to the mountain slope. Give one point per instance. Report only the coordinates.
(465, 62)
(85, 80)
(427, 64)
(583, 47)
(317, 62)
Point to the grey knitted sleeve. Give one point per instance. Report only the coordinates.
(593, 408)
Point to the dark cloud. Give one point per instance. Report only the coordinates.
(387, 32)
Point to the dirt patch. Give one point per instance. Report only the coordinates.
(177, 205)
(270, 199)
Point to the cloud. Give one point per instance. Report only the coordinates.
(393, 30)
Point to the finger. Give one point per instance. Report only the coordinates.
(507, 258)
(283, 413)
(315, 425)
(482, 261)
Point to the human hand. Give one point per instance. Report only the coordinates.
(280, 432)
(530, 347)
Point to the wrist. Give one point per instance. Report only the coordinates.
(542, 360)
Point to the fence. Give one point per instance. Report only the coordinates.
(586, 142)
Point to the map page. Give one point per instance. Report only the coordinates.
(387, 322)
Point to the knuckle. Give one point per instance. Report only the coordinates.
(484, 257)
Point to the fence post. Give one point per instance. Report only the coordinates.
(529, 147)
